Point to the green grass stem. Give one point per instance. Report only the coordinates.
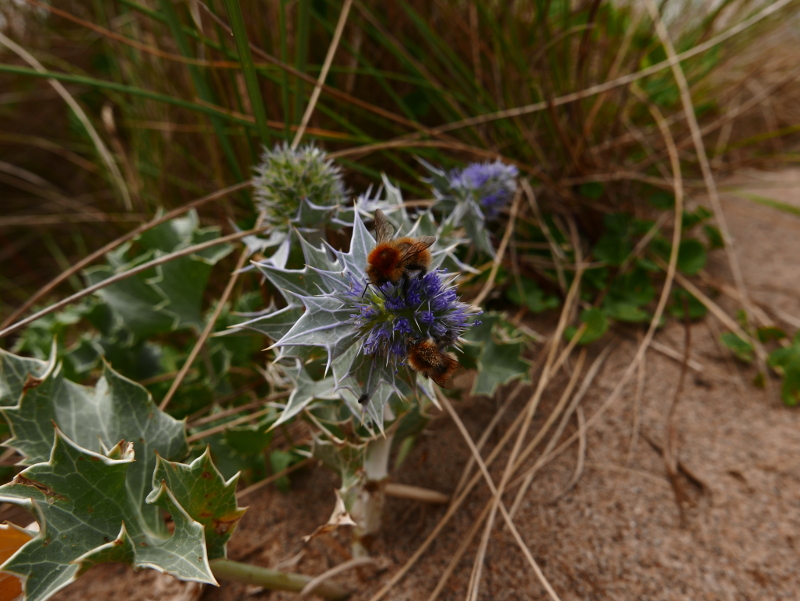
(248, 68)
(301, 55)
(200, 83)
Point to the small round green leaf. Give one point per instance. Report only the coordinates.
(691, 256)
(596, 326)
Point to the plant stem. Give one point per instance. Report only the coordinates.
(415, 493)
(366, 499)
(225, 569)
(248, 68)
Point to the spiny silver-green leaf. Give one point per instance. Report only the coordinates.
(296, 281)
(275, 324)
(357, 374)
(345, 458)
(96, 418)
(85, 510)
(361, 244)
(315, 257)
(325, 323)
(500, 361)
(18, 373)
(305, 391)
(202, 492)
(169, 296)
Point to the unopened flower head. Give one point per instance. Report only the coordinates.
(286, 178)
(491, 185)
(392, 316)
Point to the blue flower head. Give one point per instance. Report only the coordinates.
(366, 330)
(491, 185)
(390, 318)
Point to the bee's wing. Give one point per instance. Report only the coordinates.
(452, 367)
(419, 245)
(383, 229)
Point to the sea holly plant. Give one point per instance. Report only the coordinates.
(472, 196)
(310, 218)
(365, 329)
(346, 343)
(102, 473)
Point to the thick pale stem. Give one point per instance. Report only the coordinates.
(225, 569)
(368, 496)
(376, 462)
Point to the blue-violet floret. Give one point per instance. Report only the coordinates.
(492, 185)
(391, 316)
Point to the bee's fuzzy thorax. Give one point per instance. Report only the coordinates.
(384, 259)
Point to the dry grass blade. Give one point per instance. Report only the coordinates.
(526, 420)
(460, 498)
(133, 43)
(670, 451)
(456, 558)
(222, 427)
(337, 35)
(671, 353)
(725, 122)
(357, 151)
(226, 412)
(126, 274)
(555, 249)
(612, 73)
(262, 483)
(209, 327)
(697, 139)
(496, 417)
(415, 493)
(637, 408)
(581, 457)
(308, 79)
(501, 251)
(342, 567)
(63, 218)
(671, 274)
(758, 311)
(6, 455)
(642, 244)
(554, 415)
(717, 311)
(104, 153)
(591, 374)
(65, 275)
(451, 510)
(497, 501)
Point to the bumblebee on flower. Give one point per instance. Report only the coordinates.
(411, 322)
(376, 335)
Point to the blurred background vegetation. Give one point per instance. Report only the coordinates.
(172, 100)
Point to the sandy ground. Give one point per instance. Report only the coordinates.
(617, 534)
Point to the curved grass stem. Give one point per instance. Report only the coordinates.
(226, 569)
(126, 274)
